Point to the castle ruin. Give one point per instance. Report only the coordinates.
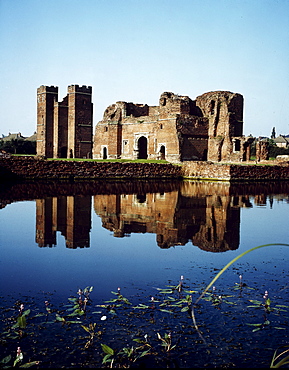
(179, 129)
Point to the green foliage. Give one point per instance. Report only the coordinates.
(126, 356)
(5, 362)
(166, 341)
(275, 150)
(18, 146)
(21, 320)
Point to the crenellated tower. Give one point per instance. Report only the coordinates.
(80, 125)
(65, 129)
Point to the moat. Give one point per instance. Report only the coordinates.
(134, 242)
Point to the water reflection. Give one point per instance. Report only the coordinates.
(195, 212)
(203, 213)
(71, 215)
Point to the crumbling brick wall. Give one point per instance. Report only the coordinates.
(224, 111)
(262, 151)
(178, 129)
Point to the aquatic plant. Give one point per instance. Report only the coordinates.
(281, 362)
(5, 362)
(166, 319)
(124, 357)
(21, 318)
(166, 341)
(91, 329)
(266, 304)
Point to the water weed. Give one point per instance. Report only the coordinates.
(181, 324)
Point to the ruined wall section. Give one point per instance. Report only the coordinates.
(108, 132)
(159, 133)
(262, 150)
(191, 126)
(125, 124)
(171, 103)
(179, 129)
(224, 110)
(193, 137)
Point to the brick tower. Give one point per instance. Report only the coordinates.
(80, 126)
(64, 129)
(46, 96)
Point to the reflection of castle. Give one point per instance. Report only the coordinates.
(204, 213)
(71, 215)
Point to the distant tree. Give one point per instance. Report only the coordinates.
(18, 146)
(275, 150)
(273, 134)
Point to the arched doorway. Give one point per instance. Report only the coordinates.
(142, 148)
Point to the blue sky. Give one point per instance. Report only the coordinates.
(134, 50)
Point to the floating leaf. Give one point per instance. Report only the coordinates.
(184, 309)
(106, 349)
(29, 364)
(141, 306)
(191, 291)
(40, 314)
(26, 312)
(144, 353)
(21, 321)
(166, 291)
(6, 359)
(281, 305)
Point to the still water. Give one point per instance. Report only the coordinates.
(57, 238)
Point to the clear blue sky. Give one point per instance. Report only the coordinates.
(134, 50)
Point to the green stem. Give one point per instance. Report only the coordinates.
(231, 262)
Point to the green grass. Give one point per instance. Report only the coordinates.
(110, 160)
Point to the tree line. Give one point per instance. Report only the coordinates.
(18, 146)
